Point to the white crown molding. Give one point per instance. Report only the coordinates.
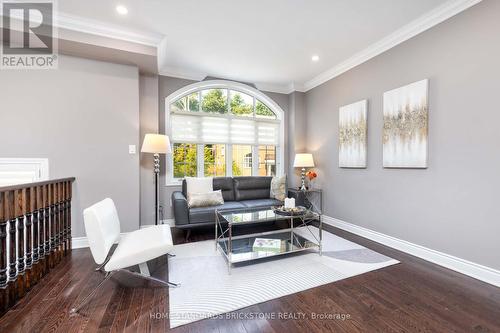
(181, 74)
(425, 22)
(99, 28)
(480, 272)
(297, 87)
(277, 88)
(198, 76)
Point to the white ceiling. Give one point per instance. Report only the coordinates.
(268, 42)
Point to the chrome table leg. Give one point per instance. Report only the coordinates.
(216, 226)
(230, 247)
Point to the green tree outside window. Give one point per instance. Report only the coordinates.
(193, 102)
(239, 106)
(184, 156)
(214, 101)
(262, 110)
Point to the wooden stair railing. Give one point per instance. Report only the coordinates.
(35, 234)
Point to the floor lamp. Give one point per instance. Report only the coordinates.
(156, 144)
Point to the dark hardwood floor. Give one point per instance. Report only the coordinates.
(414, 296)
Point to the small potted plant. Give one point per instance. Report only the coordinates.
(311, 175)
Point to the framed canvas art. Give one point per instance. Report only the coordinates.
(406, 126)
(352, 135)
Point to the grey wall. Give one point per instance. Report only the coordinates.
(148, 115)
(297, 131)
(168, 85)
(82, 117)
(453, 206)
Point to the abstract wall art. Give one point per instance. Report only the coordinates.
(352, 135)
(406, 126)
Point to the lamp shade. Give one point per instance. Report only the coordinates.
(303, 161)
(156, 143)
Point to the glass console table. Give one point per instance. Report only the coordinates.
(311, 199)
(237, 249)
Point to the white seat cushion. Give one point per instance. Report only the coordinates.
(140, 246)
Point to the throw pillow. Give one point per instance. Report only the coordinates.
(213, 198)
(278, 188)
(199, 185)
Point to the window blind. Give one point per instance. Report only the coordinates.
(206, 129)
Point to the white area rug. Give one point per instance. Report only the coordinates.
(208, 290)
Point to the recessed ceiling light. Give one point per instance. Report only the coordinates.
(122, 10)
(315, 58)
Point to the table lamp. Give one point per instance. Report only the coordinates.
(156, 144)
(303, 161)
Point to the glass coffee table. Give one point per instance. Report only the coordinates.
(255, 246)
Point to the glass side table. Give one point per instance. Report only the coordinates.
(311, 199)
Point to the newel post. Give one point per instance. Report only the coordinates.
(4, 295)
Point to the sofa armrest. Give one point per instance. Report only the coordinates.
(181, 209)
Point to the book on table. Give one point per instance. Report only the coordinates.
(267, 245)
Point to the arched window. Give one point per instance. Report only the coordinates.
(223, 128)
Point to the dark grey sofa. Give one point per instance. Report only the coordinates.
(238, 192)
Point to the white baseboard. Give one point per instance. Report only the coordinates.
(170, 222)
(79, 242)
(480, 272)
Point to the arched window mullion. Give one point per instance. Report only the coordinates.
(267, 140)
(254, 106)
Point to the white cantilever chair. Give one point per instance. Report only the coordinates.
(135, 248)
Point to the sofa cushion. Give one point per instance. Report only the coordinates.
(199, 185)
(255, 203)
(248, 188)
(213, 198)
(207, 214)
(278, 188)
(225, 184)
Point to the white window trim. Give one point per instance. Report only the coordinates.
(255, 160)
(229, 159)
(230, 85)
